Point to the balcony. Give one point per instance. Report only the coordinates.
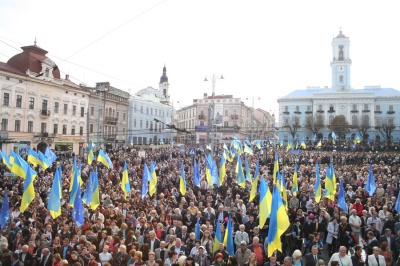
(354, 111)
(286, 113)
(234, 116)
(202, 117)
(308, 112)
(390, 112)
(228, 129)
(366, 111)
(297, 112)
(320, 111)
(44, 136)
(45, 113)
(331, 111)
(110, 137)
(110, 120)
(378, 112)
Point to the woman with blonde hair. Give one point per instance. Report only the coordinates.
(297, 258)
(137, 259)
(152, 259)
(207, 241)
(251, 261)
(322, 263)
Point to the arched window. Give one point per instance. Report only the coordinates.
(354, 120)
(341, 79)
(226, 124)
(330, 119)
(365, 121)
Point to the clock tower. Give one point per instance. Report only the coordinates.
(341, 62)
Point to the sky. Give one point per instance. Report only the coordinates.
(264, 49)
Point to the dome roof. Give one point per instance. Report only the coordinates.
(164, 77)
(32, 58)
(341, 35)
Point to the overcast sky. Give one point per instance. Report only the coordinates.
(263, 48)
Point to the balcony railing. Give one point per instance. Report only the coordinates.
(45, 113)
(202, 117)
(234, 116)
(111, 120)
(110, 137)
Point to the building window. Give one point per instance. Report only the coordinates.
(74, 110)
(6, 99)
(286, 109)
(366, 107)
(43, 128)
(147, 110)
(117, 116)
(365, 121)
(17, 125)
(123, 131)
(134, 122)
(92, 110)
(378, 122)
(30, 126)
(31, 103)
(331, 108)
(56, 107)
(354, 120)
(55, 128)
(64, 129)
(147, 124)
(65, 108)
(320, 107)
(44, 105)
(390, 122)
(81, 131)
(19, 101)
(151, 125)
(286, 121)
(226, 124)
(141, 123)
(297, 108)
(141, 109)
(354, 107)
(330, 119)
(123, 116)
(377, 108)
(73, 130)
(340, 79)
(297, 121)
(390, 108)
(82, 111)
(226, 112)
(151, 111)
(91, 128)
(4, 124)
(309, 108)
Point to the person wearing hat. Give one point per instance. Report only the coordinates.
(202, 259)
(242, 254)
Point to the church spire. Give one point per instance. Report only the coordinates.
(164, 77)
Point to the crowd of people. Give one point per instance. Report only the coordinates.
(159, 230)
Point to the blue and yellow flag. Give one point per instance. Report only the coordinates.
(19, 166)
(279, 223)
(95, 190)
(284, 190)
(145, 180)
(276, 167)
(288, 147)
(303, 145)
(33, 158)
(253, 191)
(6, 160)
(91, 157)
(208, 168)
(317, 185)
(222, 168)
(54, 203)
(228, 238)
(357, 139)
(371, 183)
(247, 149)
(319, 144)
(333, 137)
(330, 185)
(214, 174)
(125, 185)
(44, 161)
(77, 212)
(217, 238)
(295, 186)
(196, 173)
(29, 190)
(265, 203)
(104, 159)
(5, 212)
(154, 181)
(182, 181)
(73, 188)
(240, 174)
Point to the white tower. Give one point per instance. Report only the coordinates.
(164, 87)
(341, 62)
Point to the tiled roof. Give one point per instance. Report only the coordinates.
(6, 67)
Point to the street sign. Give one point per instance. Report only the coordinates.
(192, 151)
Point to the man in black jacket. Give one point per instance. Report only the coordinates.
(25, 257)
(313, 257)
(221, 249)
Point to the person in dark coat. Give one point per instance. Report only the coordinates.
(356, 258)
(312, 258)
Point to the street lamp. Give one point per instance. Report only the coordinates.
(252, 115)
(101, 88)
(214, 79)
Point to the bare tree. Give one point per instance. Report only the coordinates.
(386, 129)
(363, 127)
(340, 126)
(294, 126)
(314, 124)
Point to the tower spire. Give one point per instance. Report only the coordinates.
(34, 43)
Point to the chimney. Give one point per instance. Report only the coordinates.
(66, 77)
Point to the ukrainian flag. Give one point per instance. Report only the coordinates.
(279, 222)
(91, 157)
(95, 190)
(104, 159)
(153, 181)
(357, 139)
(248, 150)
(240, 174)
(276, 167)
(295, 186)
(214, 174)
(333, 177)
(222, 168)
(208, 168)
(225, 147)
(217, 238)
(29, 190)
(329, 186)
(54, 203)
(33, 158)
(125, 186)
(283, 190)
(182, 183)
(6, 160)
(303, 145)
(319, 144)
(253, 191)
(74, 184)
(228, 238)
(19, 165)
(317, 185)
(44, 161)
(145, 180)
(265, 203)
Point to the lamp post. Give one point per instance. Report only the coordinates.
(214, 79)
(101, 88)
(252, 116)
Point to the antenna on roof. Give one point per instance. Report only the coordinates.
(34, 41)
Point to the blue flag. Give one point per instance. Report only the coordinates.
(197, 230)
(77, 213)
(396, 207)
(5, 211)
(341, 198)
(50, 155)
(145, 180)
(371, 184)
(196, 174)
